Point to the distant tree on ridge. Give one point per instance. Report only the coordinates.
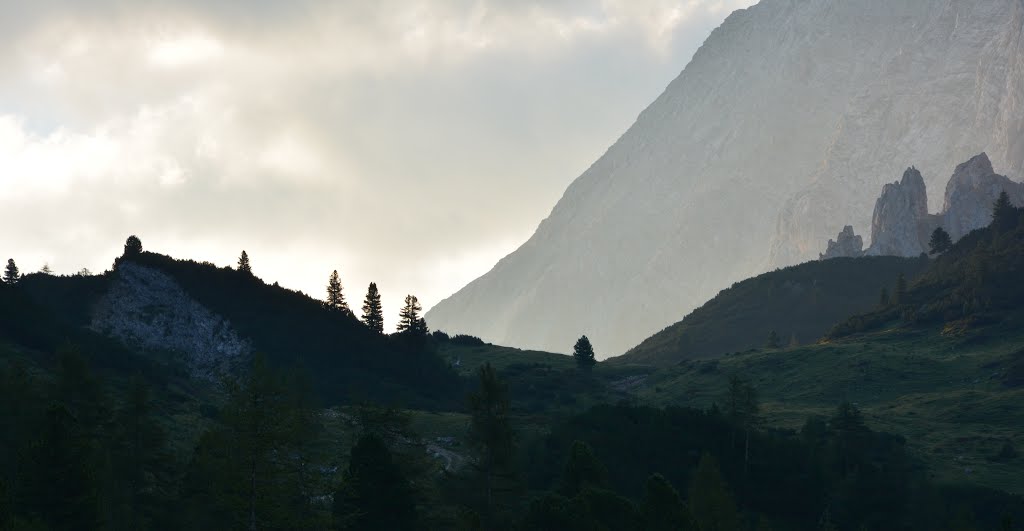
(583, 352)
(335, 295)
(243, 263)
(409, 320)
(373, 313)
(11, 274)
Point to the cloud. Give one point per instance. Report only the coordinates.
(412, 143)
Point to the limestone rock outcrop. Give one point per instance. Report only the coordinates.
(846, 244)
(970, 193)
(901, 224)
(146, 308)
(897, 211)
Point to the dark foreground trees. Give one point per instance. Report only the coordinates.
(252, 470)
(940, 241)
(374, 494)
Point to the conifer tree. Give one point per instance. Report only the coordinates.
(583, 469)
(246, 472)
(373, 314)
(374, 493)
(132, 246)
(712, 506)
(409, 320)
(243, 263)
(743, 408)
(335, 295)
(940, 241)
(490, 431)
(1004, 216)
(900, 295)
(663, 509)
(583, 352)
(11, 274)
(46, 269)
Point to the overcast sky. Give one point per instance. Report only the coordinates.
(411, 143)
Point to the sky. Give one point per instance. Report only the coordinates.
(410, 143)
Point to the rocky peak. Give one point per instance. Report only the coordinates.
(846, 244)
(901, 224)
(967, 176)
(897, 211)
(146, 308)
(970, 193)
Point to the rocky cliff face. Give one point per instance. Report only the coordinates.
(970, 193)
(792, 110)
(847, 244)
(894, 222)
(148, 309)
(901, 225)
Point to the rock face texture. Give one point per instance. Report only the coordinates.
(901, 224)
(894, 222)
(148, 309)
(847, 244)
(970, 193)
(779, 132)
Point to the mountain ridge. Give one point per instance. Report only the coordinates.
(780, 118)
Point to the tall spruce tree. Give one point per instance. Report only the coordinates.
(243, 263)
(583, 352)
(11, 274)
(409, 320)
(335, 295)
(713, 508)
(490, 432)
(374, 494)
(1004, 216)
(940, 241)
(373, 313)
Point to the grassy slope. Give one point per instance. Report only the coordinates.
(801, 301)
(945, 395)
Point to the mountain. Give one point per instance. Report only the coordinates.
(777, 134)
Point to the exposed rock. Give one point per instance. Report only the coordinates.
(794, 112)
(148, 309)
(970, 194)
(901, 225)
(847, 244)
(897, 211)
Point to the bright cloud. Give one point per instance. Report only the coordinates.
(411, 143)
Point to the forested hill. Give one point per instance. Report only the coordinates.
(142, 297)
(799, 304)
(978, 280)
